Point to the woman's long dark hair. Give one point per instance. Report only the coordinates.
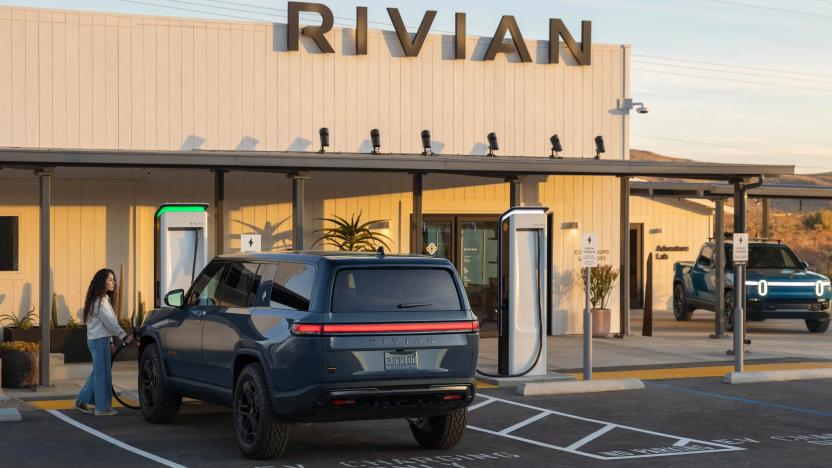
(97, 290)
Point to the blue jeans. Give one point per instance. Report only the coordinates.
(98, 387)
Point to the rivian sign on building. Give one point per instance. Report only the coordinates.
(412, 47)
(74, 80)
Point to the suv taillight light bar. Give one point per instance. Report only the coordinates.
(319, 329)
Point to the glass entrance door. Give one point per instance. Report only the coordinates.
(477, 263)
(470, 243)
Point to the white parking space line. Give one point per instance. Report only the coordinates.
(480, 404)
(680, 445)
(113, 441)
(591, 437)
(532, 419)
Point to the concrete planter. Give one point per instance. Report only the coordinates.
(20, 369)
(71, 342)
(600, 322)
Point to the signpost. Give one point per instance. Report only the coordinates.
(250, 243)
(740, 253)
(589, 260)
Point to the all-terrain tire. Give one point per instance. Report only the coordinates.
(440, 432)
(817, 326)
(729, 310)
(159, 404)
(259, 433)
(681, 311)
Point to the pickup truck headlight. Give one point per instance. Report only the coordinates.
(762, 288)
(820, 287)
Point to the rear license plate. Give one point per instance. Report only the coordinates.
(401, 361)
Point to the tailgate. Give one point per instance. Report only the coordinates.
(398, 323)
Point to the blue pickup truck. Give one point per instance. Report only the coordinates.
(778, 286)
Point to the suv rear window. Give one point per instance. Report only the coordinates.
(394, 289)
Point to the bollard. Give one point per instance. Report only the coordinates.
(647, 321)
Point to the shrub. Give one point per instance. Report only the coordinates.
(24, 322)
(819, 220)
(72, 323)
(601, 281)
(21, 346)
(352, 235)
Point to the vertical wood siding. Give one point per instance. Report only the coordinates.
(105, 81)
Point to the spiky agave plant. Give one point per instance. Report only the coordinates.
(351, 235)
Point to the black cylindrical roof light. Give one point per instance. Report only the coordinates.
(426, 143)
(324, 133)
(492, 143)
(375, 138)
(599, 146)
(556, 146)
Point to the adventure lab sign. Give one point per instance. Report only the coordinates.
(412, 47)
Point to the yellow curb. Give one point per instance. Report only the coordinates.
(695, 372)
(481, 384)
(61, 404)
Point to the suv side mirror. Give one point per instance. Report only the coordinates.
(175, 298)
(805, 265)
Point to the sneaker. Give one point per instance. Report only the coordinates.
(110, 412)
(82, 407)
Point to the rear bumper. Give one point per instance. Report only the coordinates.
(375, 400)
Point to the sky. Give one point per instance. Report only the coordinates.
(744, 81)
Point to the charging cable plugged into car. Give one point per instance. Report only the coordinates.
(123, 345)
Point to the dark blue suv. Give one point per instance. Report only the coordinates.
(309, 337)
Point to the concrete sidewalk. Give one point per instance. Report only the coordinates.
(679, 344)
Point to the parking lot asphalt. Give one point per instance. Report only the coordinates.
(689, 422)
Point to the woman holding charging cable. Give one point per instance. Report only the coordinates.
(102, 325)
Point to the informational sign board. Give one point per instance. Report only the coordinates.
(740, 247)
(431, 248)
(589, 250)
(250, 243)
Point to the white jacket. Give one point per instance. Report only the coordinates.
(102, 322)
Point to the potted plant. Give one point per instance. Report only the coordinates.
(20, 328)
(352, 235)
(20, 364)
(602, 279)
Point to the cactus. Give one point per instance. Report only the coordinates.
(140, 315)
(53, 322)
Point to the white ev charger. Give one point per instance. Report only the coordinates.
(180, 246)
(523, 293)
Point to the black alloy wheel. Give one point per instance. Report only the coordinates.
(159, 404)
(729, 311)
(259, 433)
(681, 311)
(248, 415)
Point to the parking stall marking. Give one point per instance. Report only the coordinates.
(680, 446)
(116, 442)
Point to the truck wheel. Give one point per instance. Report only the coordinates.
(817, 326)
(259, 433)
(680, 306)
(440, 432)
(159, 404)
(729, 310)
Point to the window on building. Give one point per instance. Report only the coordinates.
(9, 236)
